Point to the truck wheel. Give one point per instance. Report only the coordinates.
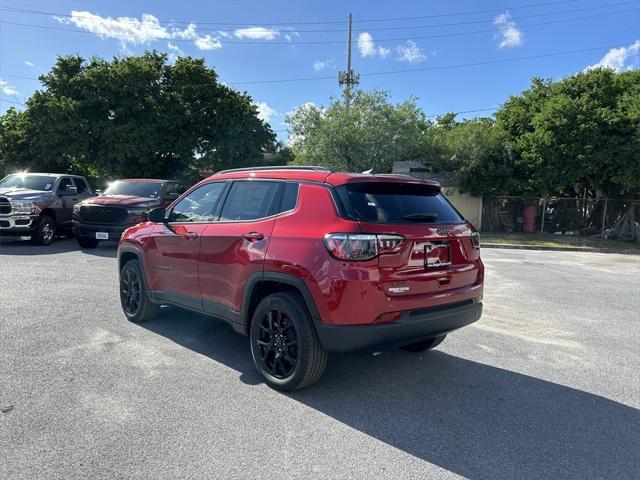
(424, 345)
(87, 242)
(134, 299)
(284, 344)
(45, 231)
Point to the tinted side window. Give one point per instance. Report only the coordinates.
(64, 183)
(289, 197)
(199, 205)
(250, 200)
(81, 185)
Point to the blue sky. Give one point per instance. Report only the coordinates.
(252, 41)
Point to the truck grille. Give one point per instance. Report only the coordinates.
(5, 206)
(105, 215)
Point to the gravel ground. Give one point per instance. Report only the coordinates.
(546, 385)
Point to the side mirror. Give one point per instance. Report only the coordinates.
(157, 215)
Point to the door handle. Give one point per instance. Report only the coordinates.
(253, 236)
(190, 236)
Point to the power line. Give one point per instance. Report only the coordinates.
(11, 101)
(135, 21)
(375, 20)
(328, 42)
(387, 72)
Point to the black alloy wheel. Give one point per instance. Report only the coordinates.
(278, 344)
(130, 291)
(284, 345)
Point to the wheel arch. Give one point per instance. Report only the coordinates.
(261, 284)
(49, 212)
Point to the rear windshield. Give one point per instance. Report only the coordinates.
(134, 189)
(383, 202)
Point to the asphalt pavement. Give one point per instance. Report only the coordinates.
(545, 385)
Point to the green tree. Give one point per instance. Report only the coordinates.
(369, 133)
(134, 116)
(579, 136)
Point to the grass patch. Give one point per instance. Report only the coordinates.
(549, 240)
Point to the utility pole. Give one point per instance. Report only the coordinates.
(348, 78)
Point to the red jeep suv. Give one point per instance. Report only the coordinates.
(306, 261)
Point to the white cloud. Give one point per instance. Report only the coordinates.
(410, 52)
(176, 52)
(368, 48)
(265, 112)
(137, 31)
(175, 48)
(207, 43)
(508, 33)
(29, 64)
(7, 88)
(257, 33)
(320, 65)
(623, 58)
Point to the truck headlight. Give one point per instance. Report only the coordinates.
(19, 206)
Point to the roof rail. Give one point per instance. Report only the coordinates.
(282, 167)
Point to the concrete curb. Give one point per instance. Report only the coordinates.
(515, 246)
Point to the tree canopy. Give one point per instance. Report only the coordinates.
(577, 136)
(368, 133)
(133, 116)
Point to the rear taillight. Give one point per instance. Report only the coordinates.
(475, 239)
(359, 247)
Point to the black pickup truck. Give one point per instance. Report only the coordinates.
(39, 205)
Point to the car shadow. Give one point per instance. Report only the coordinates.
(22, 246)
(470, 418)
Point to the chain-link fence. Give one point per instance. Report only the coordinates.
(605, 217)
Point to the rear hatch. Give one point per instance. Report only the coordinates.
(425, 245)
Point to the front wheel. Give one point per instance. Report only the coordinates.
(284, 344)
(133, 294)
(424, 345)
(45, 231)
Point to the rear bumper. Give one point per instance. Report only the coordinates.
(413, 326)
(88, 230)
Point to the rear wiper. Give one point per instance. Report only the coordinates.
(421, 217)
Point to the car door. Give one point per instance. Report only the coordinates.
(235, 246)
(67, 198)
(172, 263)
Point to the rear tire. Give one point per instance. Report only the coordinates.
(284, 344)
(45, 231)
(424, 344)
(135, 301)
(87, 242)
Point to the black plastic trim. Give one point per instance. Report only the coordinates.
(412, 327)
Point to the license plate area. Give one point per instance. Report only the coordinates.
(102, 235)
(437, 255)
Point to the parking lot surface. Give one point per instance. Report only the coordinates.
(546, 385)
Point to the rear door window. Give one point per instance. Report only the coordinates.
(289, 197)
(387, 202)
(250, 200)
